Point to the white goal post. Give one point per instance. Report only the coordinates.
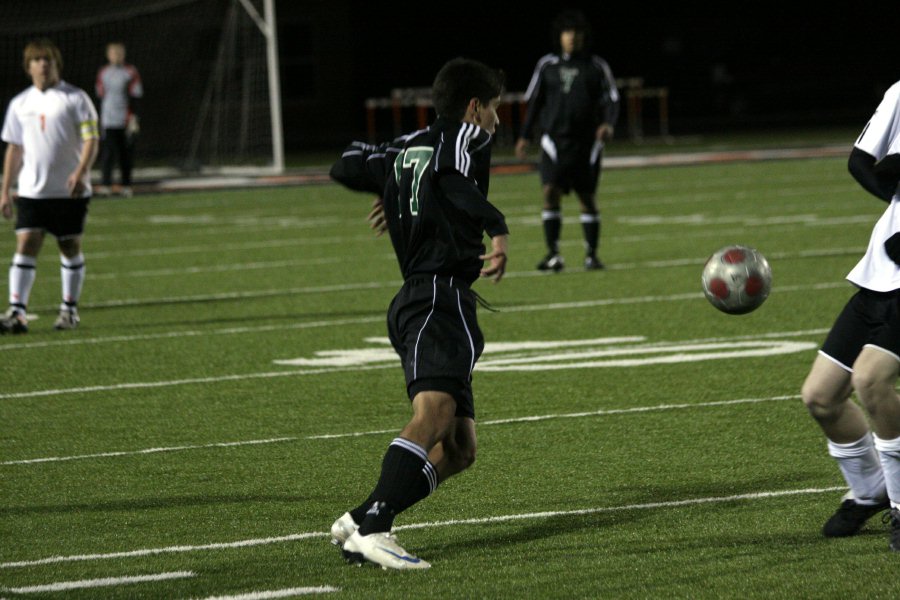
(210, 69)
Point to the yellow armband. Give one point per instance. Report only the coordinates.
(89, 130)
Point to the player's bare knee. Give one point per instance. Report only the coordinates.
(821, 403)
(462, 459)
(465, 458)
(870, 385)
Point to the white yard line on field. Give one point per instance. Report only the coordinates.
(428, 525)
(284, 593)
(281, 327)
(191, 381)
(220, 268)
(319, 371)
(18, 344)
(83, 584)
(331, 436)
(652, 264)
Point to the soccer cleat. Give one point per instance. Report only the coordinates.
(850, 517)
(551, 262)
(592, 263)
(893, 518)
(342, 529)
(14, 322)
(67, 319)
(381, 549)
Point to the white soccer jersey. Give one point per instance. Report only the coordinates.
(50, 126)
(881, 136)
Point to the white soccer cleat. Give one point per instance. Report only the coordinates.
(381, 549)
(342, 529)
(67, 319)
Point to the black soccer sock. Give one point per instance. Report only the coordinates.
(406, 478)
(552, 220)
(590, 225)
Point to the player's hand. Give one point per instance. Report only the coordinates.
(605, 132)
(376, 217)
(521, 148)
(6, 206)
(892, 247)
(132, 126)
(75, 186)
(496, 258)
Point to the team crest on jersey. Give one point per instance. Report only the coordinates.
(568, 75)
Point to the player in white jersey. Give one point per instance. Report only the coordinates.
(51, 135)
(862, 350)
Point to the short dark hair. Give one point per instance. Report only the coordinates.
(41, 48)
(459, 81)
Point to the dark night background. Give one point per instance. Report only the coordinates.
(781, 68)
(756, 66)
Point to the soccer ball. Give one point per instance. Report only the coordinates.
(737, 279)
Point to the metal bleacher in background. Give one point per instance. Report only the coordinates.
(408, 107)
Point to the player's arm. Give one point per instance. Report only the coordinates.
(90, 143)
(535, 99)
(364, 167)
(12, 164)
(609, 102)
(464, 195)
(879, 178)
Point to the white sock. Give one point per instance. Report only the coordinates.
(889, 452)
(859, 462)
(72, 273)
(22, 272)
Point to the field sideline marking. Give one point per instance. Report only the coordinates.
(284, 593)
(83, 584)
(330, 436)
(427, 525)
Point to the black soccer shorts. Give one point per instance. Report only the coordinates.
(869, 318)
(569, 164)
(62, 217)
(433, 327)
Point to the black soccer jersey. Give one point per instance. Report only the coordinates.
(570, 96)
(434, 185)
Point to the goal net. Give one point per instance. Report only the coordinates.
(209, 69)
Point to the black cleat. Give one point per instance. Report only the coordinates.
(850, 517)
(551, 262)
(592, 263)
(893, 518)
(13, 322)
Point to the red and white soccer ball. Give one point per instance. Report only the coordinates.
(737, 279)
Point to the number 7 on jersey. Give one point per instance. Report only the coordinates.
(415, 159)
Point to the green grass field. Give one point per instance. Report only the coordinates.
(634, 442)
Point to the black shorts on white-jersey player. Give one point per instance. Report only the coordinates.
(61, 217)
(869, 318)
